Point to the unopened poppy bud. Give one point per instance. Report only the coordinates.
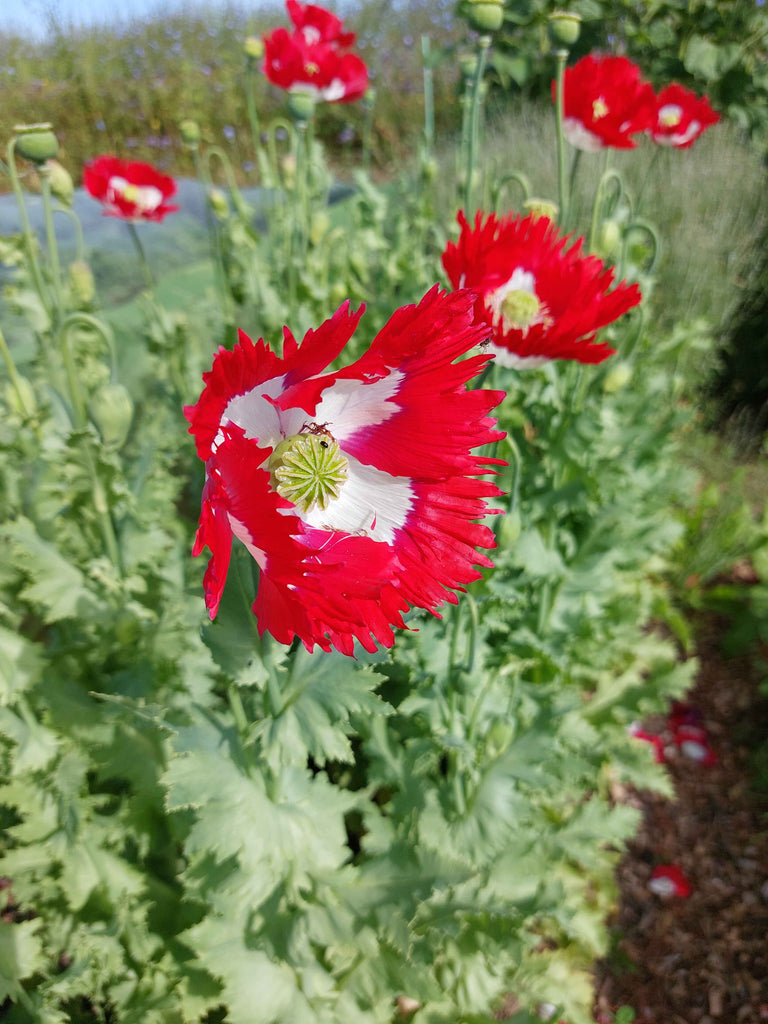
(301, 106)
(218, 202)
(608, 240)
(36, 142)
(20, 396)
(484, 15)
(428, 170)
(190, 133)
(319, 228)
(81, 282)
(563, 29)
(617, 377)
(289, 168)
(468, 65)
(338, 295)
(253, 48)
(542, 208)
(111, 409)
(62, 186)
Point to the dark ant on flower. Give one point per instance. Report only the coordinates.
(319, 430)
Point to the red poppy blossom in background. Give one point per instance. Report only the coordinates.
(681, 117)
(669, 880)
(693, 742)
(541, 296)
(318, 25)
(130, 190)
(311, 59)
(605, 103)
(356, 491)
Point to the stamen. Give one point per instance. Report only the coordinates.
(308, 470)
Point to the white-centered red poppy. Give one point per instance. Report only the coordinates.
(542, 297)
(312, 59)
(605, 103)
(669, 880)
(356, 491)
(681, 117)
(130, 190)
(693, 742)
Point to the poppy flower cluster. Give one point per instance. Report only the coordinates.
(129, 189)
(607, 104)
(541, 296)
(356, 491)
(684, 730)
(313, 59)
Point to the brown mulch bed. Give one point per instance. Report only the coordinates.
(701, 959)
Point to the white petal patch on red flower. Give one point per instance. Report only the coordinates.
(356, 491)
(318, 25)
(693, 742)
(681, 117)
(542, 297)
(668, 880)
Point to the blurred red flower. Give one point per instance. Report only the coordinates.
(318, 25)
(669, 880)
(541, 296)
(606, 102)
(681, 117)
(129, 190)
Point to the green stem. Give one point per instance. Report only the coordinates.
(517, 178)
(238, 711)
(429, 96)
(30, 241)
(483, 45)
(561, 57)
(149, 281)
(214, 239)
(262, 161)
(79, 240)
(575, 161)
(608, 177)
(13, 373)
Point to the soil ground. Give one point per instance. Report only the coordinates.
(701, 959)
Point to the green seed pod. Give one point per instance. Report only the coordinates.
(20, 396)
(499, 737)
(563, 29)
(301, 105)
(62, 186)
(36, 142)
(484, 15)
(617, 377)
(111, 409)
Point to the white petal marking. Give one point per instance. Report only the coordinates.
(351, 405)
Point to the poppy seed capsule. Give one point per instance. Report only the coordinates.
(563, 29)
(485, 15)
(36, 142)
(301, 106)
(190, 133)
(308, 470)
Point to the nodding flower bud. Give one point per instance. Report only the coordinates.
(62, 186)
(563, 29)
(36, 142)
(219, 203)
(301, 106)
(190, 133)
(253, 47)
(81, 283)
(111, 409)
(484, 15)
(541, 208)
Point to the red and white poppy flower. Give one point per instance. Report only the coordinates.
(320, 69)
(129, 189)
(542, 297)
(318, 25)
(605, 103)
(356, 491)
(668, 880)
(681, 117)
(693, 742)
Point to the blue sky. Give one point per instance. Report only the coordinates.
(31, 17)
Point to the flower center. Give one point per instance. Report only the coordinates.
(599, 108)
(670, 115)
(311, 68)
(145, 198)
(519, 308)
(308, 469)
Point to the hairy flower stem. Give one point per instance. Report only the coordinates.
(483, 45)
(608, 178)
(563, 199)
(146, 273)
(50, 235)
(429, 97)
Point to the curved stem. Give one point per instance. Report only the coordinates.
(652, 234)
(79, 240)
(519, 179)
(237, 196)
(149, 281)
(610, 176)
